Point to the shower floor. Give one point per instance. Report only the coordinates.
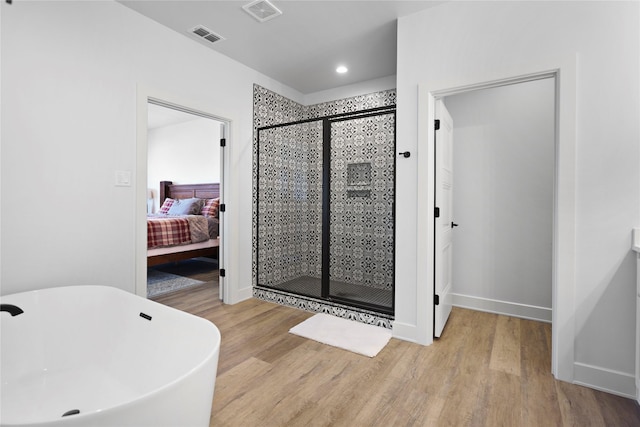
(311, 286)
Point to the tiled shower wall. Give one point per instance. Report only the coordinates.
(362, 197)
(290, 231)
(290, 203)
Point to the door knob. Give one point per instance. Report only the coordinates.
(453, 224)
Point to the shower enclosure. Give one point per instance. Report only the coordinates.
(326, 208)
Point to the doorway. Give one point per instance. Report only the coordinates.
(174, 143)
(564, 71)
(182, 148)
(504, 162)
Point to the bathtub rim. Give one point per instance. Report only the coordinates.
(213, 354)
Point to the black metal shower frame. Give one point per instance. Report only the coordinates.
(326, 201)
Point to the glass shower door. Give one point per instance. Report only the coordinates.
(289, 229)
(362, 210)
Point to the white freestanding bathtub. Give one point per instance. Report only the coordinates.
(99, 356)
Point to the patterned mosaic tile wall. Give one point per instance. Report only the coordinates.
(317, 306)
(300, 245)
(362, 196)
(269, 108)
(349, 105)
(290, 203)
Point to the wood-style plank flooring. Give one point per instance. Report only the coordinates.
(486, 370)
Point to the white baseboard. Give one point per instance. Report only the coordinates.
(240, 295)
(523, 311)
(404, 331)
(607, 380)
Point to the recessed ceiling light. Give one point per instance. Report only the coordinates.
(341, 69)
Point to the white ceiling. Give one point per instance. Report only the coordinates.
(302, 47)
(161, 116)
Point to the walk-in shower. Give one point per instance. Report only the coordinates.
(326, 207)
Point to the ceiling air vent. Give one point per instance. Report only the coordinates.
(206, 34)
(262, 10)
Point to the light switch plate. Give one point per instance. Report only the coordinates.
(123, 178)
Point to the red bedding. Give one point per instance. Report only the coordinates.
(167, 231)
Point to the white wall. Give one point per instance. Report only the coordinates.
(184, 153)
(484, 41)
(503, 153)
(348, 91)
(69, 105)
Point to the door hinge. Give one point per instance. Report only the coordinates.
(437, 124)
(223, 142)
(436, 213)
(436, 299)
(223, 272)
(223, 207)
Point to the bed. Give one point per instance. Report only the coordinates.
(162, 248)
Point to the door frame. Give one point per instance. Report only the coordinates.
(563, 264)
(144, 95)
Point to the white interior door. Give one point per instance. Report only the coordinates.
(221, 279)
(443, 222)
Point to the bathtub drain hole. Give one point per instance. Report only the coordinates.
(71, 412)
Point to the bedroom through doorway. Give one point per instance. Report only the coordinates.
(185, 169)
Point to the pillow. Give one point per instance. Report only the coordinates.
(186, 207)
(166, 205)
(211, 207)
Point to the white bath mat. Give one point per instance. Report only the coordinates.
(343, 333)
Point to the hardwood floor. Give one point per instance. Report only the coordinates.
(486, 370)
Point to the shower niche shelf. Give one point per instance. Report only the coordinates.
(358, 193)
